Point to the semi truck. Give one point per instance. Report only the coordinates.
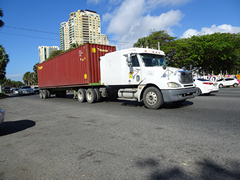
(97, 71)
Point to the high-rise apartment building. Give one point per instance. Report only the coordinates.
(83, 27)
(45, 51)
(64, 36)
(104, 39)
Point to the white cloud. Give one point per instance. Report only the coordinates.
(224, 28)
(106, 17)
(114, 1)
(128, 22)
(156, 3)
(93, 1)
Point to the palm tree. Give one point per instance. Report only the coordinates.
(26, 77)
(3, 62)
(74, 45)
(1, 15)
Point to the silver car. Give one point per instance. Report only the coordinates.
(25, 90)
(2, 115)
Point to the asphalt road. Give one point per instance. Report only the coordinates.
(60, 138)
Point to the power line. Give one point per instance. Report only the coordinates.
(32, 30)
(52, 33)
(29, 36)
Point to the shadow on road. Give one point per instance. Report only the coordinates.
(15, 126)
(204, 170)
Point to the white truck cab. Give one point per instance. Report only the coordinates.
(141, 74)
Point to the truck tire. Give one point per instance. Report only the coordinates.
(48, 94)
(91, 95)
(44, 94)
(98, 94)
(40, 94)
(152, 98)
(81, 95)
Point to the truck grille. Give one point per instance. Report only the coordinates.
(185, 77)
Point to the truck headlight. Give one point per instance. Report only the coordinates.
(173, 85)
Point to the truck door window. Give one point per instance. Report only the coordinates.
(135, 62)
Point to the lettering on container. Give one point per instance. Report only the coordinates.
(103, 50)
(80, 53)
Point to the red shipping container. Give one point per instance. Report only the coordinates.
(78, 67)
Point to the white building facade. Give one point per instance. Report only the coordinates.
(45, 51)
(64, 36)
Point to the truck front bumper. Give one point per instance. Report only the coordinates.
(172, 95)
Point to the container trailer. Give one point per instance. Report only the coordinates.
(95, 71)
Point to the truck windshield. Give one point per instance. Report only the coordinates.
(152, 60)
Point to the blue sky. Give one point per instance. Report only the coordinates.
(30, 23)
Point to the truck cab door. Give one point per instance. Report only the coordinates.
(135, 73)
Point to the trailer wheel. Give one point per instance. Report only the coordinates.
(44, 94)
(98, 94)
(40, 94)
(152, 98)
(48, 94)
(81, 95)
(91, 95)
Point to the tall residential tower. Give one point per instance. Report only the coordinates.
(83, 27)
(64, 36)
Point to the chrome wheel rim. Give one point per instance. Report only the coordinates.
(151, 98)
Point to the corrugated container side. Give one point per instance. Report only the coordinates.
(95, 52)
(78, 67)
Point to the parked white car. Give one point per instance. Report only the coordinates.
(24, 90)
(227, 82)
(205, 86)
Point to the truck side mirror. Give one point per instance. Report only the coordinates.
(129, 64)
(129, 60)
(164, 67)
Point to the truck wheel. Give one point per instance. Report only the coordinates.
(81, 95)
(152, 98)
(91, 95)
(48, 94)
(98, 94)
(44, 94)
(40, 94)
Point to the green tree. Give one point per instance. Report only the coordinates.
(27, 78)
(35, 76)
(3, 62)
(1, 15)
(215, 52)
(74, 45)
(153, 38)
(54, 54)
